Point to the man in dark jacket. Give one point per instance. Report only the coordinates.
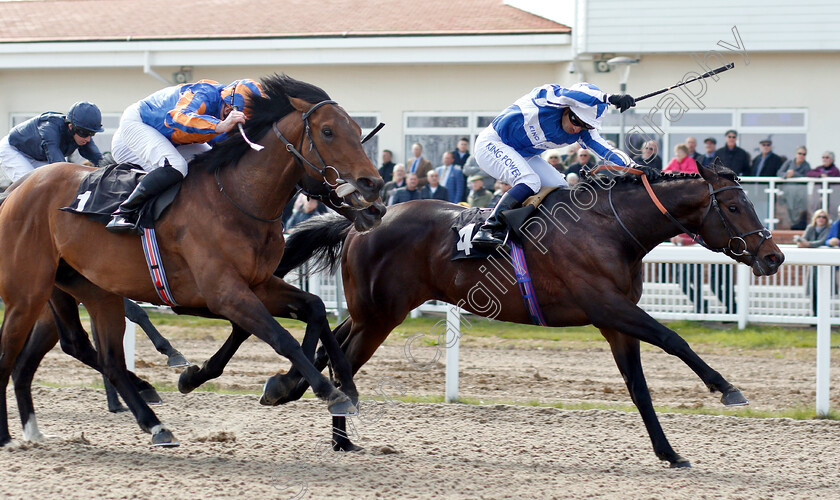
(51, 138)
(387, 169)
(407, 193)
(433, 190)
(462, 152)
(766, 164)
(733, 157)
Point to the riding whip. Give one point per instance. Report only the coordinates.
(704, 75)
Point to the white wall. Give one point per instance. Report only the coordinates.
(681, 26)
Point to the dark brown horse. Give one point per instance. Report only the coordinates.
(585, 257)
(220, 242)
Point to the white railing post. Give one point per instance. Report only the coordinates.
(129, 341)
(340, 306)
(453, 344)
(742, 294)
(823, 337)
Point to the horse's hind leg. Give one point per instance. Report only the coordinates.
(193, 376)
(44, 336)
(137, 315)
(626, 353)
(19, 319)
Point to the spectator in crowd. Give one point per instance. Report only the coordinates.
(797, 166)
(795, 196)
(462, 152)
(309, 209)
(407, 193)
(710, 143)
(417, 164)
(554, 160)
(387, 168)
(827, 169)
(397, 182)
(501, 187)
(682, 162)
(433, 190)
(584, 160)
(572, 179)
(767, 163)
(570, 156)
(832, 239)
(816, 233)
(471, 168)
(649, 156)
(733, 157)
(478, 197)
(51, 138)
(691, 144)
(452, 178)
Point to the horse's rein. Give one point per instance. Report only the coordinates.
(737, 251)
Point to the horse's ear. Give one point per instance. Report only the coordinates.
(709, 174)
(300, 104)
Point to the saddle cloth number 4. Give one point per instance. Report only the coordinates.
(465, 239)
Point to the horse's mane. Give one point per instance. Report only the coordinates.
(629, 179)
(263, 111)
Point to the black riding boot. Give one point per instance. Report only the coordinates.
(492, 232)
(152, 184)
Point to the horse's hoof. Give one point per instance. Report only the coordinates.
(345, 445)
(276, 391)
(733, 398)
(177, 360)
(185, 385)
(4, 441)
(150, 396)
(681, 464)
(343, 407)
(117, 409)
(164, 438)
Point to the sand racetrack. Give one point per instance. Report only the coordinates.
(232, 447)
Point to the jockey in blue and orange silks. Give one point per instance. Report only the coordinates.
(548, 117)
(162, 132)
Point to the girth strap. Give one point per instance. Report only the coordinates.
(152, 253)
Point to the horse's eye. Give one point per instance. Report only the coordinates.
(733, 208)
(327, 132)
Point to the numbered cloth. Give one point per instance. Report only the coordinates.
(470, 221)
(101, 192)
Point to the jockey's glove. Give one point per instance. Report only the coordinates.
(622, 101)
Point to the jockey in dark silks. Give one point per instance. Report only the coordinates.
(51, 138)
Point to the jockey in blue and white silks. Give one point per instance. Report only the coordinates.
(548, 117)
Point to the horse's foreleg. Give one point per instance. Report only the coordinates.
(137, 315)
(626, 353)
(288, 301)
(618, 313)
(248, 309)
(106, 312)
(193, 376)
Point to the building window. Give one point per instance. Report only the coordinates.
(368, 122)
(440, 132)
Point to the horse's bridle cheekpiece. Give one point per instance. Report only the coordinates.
(736, 246)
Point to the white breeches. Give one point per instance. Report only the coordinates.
(16, 164)
(138, 143)
(503, 162)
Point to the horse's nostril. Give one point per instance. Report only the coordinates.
(370, 184)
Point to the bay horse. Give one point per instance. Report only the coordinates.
(220, 241)
(586, 268)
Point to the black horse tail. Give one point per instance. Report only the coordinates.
(319, 237)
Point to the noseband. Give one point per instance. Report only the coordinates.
(736, 246)
(332, 188)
